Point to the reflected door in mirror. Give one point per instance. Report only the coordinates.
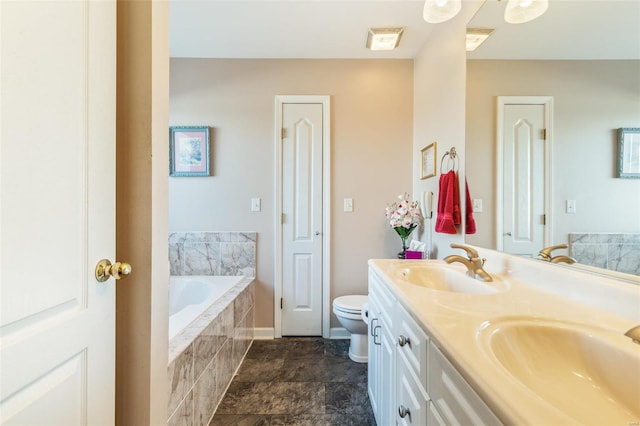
(523, 179)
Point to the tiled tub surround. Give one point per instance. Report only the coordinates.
(212, 253)
(204, 357)
(617, 252)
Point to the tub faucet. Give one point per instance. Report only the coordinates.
(473, 262)
(545, 254)
(634, 333)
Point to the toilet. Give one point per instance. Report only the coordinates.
(350, 311)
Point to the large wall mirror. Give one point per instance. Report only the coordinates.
(583, 57)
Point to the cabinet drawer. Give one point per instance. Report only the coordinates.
(412, 402)
(454, 399)
(412, 343)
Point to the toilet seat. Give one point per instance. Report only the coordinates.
(351, 304)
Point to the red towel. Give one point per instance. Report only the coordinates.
(448, 207)
(470, 226)
(456, 200)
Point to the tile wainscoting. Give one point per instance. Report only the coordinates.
(213, 253)
(617, 252)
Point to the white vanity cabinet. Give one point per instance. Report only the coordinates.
(410, 381)
(381, 351)
(452, 397)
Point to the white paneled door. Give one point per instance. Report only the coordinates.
(523, 179)
(57, 215)
(302, 233)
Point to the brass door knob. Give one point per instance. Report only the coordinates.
(118, 270)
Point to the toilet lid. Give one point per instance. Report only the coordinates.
(352, 303)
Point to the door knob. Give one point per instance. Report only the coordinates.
(317, 233)
(508, 234)
(118, 270)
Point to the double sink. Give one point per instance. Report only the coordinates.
(589, 373)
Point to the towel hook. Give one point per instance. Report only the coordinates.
(453, 157)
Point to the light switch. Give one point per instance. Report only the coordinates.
(571, 206)
(477, 205)
(348, 204)
(256, 204)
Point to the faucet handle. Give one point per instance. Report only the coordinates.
(471, 252)
(545, 253)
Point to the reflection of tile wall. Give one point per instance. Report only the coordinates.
(213, 253)
(200, 374)
(618, 252)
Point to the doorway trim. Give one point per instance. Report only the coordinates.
(326, 209)
(547, 102)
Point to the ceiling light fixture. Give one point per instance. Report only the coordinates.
(436, 11)
(520, 11)
(384, 38)
(477, 36)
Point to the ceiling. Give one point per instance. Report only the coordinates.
(573, 29)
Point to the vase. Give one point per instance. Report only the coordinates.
(404, 234)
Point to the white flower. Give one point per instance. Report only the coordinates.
(404, 212)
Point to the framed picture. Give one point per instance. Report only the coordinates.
(189, 151)
(629, 152)
(428, 161)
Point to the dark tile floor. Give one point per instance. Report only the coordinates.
(297, 381)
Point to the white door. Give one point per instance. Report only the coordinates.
(57, 218)
(302, 169)
(523, 179)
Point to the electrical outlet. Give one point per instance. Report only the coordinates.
(477, 205)
(348, 204)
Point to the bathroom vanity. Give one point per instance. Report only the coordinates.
(540, 344)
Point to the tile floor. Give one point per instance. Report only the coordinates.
(297, 381)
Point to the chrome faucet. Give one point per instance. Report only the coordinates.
(473, 262)
(634, 333)
(545, 254)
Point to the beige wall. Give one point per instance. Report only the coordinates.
(439, 105)
(591, 100)
(141, 212)
(371, 154)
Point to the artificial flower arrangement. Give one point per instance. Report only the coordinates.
(404, 215)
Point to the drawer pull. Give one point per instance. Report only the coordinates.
(373, 327)
(402, 340)
(403, 412)
(375, 334)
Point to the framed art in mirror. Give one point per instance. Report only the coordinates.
(189, 151)
(428, 161)
(629, 152)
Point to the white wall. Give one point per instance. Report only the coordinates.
(591, 100)
(371, 136)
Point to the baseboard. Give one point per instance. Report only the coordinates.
(263, 333)
(339, 333)
(268, 333)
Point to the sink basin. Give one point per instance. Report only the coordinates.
(441, 277)
(590, 374)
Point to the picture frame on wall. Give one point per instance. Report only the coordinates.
(428, 161)
(629, 152)
(189, 151)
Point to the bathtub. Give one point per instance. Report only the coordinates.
(190, 296)
(210, 330)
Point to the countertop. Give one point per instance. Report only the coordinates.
(455, 323)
